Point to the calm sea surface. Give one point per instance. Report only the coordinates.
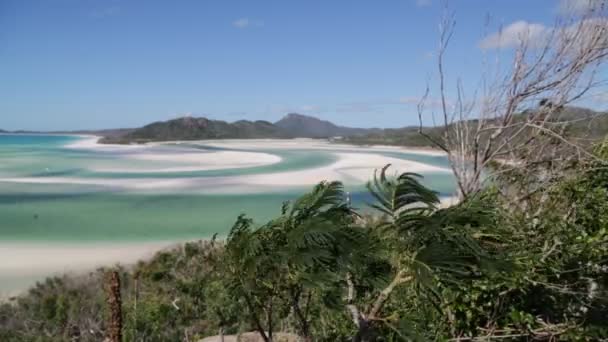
(69, 201)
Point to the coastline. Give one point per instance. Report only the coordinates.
(247, 143)
(24, 263)
(32, 261)
(353, 165)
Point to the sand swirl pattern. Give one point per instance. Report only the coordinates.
(82, 204)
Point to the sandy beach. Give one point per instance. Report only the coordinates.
(220, 160)
(25, 263)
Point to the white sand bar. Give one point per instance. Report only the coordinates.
(311, 144)
(350, 168)
(353, 166)
(24, 263)
(220, 160)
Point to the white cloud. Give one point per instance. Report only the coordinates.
(358, 107)
(180, 115)
(424, 3)
(514, 34)
(586, 33)
(537, 35)
(429, 102)
(600, 97)
(579, 6)
(303, 109)
(242, 23)
(409, 100)
(310, 108)
(105, 12)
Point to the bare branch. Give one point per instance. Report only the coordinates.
(518, 116)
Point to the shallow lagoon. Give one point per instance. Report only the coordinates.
(60, 194)
(95, 212)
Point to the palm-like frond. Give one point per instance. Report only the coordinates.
(305, 244)
(311, 242)
(433, 245)
(325, 195)
(451, 248)
(399, 195)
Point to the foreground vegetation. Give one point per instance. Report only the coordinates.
(483, 269)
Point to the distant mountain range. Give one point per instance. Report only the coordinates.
(188, 128)
(587, 124)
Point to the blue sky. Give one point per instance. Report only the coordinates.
(78, 64)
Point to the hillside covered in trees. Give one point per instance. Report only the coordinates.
(189, 128)
(580, 123)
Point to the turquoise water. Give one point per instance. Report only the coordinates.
(69, 212)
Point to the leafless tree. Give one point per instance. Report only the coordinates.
(514, 121)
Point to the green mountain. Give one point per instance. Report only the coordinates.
(189, 128)
(303, 126)
(583, 124)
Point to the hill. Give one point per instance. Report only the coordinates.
(584, 124)
(189, 128)
(303, 126)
